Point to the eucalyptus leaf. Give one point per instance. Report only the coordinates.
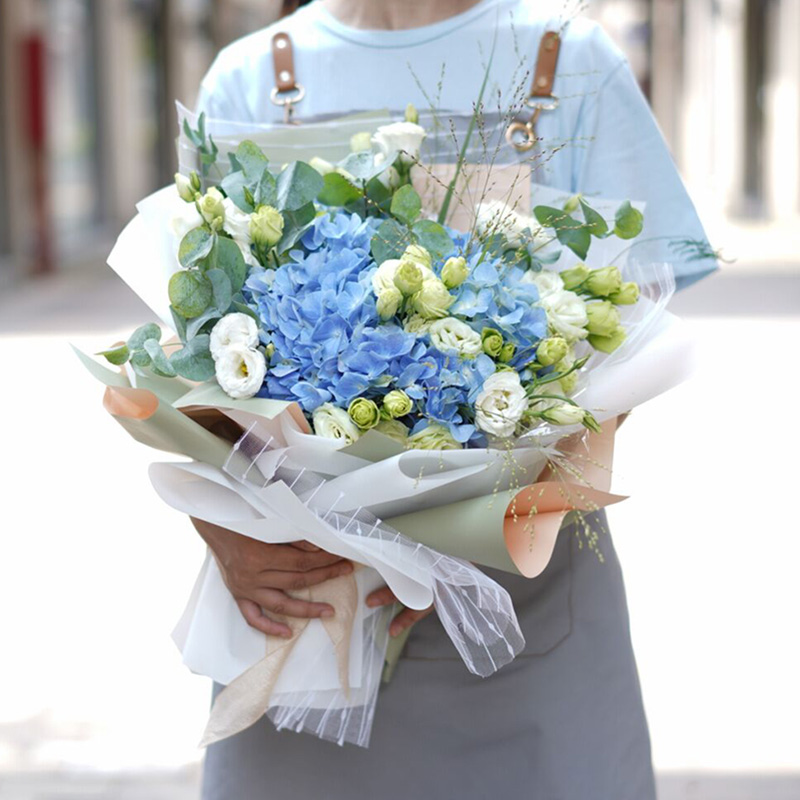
(221, 286)
(406, 204)
(234, 184)
(433, 237)
(242, 308)
(390, 241)
(140, 359)
(379, 194)
(362, 165)
(295, 224)
(142, 334)
(629, 221)
(180, 323)
(552, 217)
(160, 364)
(198, 323)
(266, 190)
(338, 191)
(194, 361)
(195, 246)
(252, 160)
(116, 355)
(595, 223)
(190, 293)
(577, 238)
(231, 261)
(298, 185)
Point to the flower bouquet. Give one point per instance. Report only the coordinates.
(350, 370)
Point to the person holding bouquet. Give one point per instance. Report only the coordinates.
(565, 720)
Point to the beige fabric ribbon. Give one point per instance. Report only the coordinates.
(246, 699)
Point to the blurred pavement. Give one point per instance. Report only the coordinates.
(95, 702)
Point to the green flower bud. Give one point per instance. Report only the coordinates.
(408, 277)
(610, 343)
(603, 282)
(492, 341)
(269, 351)
(195, 180)
(397, 403)
(551, 350)
(434, 437)
(432, 300)
(321, 165)
(455, 272)
(393, 429)
(211, 208)
(563, 414)
(388, 302)
(573, 278)
(603, 318)
(628, 295)
(591, 423)
(569, 382)
(361, 141)
(419, 255)
(364, 413)
(266, 226)
(571, 206)
(184, 186)
(412, 115)
(507, 353)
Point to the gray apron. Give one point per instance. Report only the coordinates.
(564, 721)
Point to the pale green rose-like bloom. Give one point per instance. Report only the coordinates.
(394, 429)
(332, 422)
(563, 414)
(451, 334)
(408, 277)
(412, 115)
(603, 318)
(610, 343)
(492, 342)
(500, 404)
(507, 353)
(455, 271)
(434, 437)
(628, 295)
(433, 299)
(417, 325)
(359, 142)
(551, 350)
(266, 226)
(397, 403)
(240, 371)
(184, 187)
(212, 208)
(573, 278)
(388, 302)
(603, 282)
(420, 256)
(365, 413)
(568, 382)
(321, 165)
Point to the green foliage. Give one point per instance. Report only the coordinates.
(433, 237)
(251, 160)
(362, 165)
(221, 288)
(338, 191)
(298, 185)
(195, 246)
(379, 195)
(228, 257)
(390, 241)
(629, 221)
(116, 355)
(159, 362)
(571, 232)
(190, 293)
(406, 204)
(595, 224)
(194, 361)
(207, 149)
(142, 334)
(295, 224)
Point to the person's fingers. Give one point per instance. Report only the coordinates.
(257, 619)
(307, 546)
(381, 597)
(302, 580)
(277, 602)
(406, 618)
(292, 559)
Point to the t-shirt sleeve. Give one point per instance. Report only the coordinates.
(223, 91)
(626, 157)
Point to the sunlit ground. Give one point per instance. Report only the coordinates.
(95, 569)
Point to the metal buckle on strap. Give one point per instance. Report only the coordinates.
(521, 134)
(288, 100)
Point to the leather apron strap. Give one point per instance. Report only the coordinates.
(287, 92)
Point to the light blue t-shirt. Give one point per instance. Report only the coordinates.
(601, 141)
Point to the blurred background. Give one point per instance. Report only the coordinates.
(93, 699)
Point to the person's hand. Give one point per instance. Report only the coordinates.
(405, 619)
(259, 576)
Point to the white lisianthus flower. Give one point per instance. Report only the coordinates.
(500, 405)
(405, 137)
(494, 216)
(233, 329)
(417, 324)
(566, 314)
(237, 224)
(394, 429)
(240, 371)
(184, 187)
(332, 422)
(187, 219)
(539, 403)
(450, 334)
(546, 282)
